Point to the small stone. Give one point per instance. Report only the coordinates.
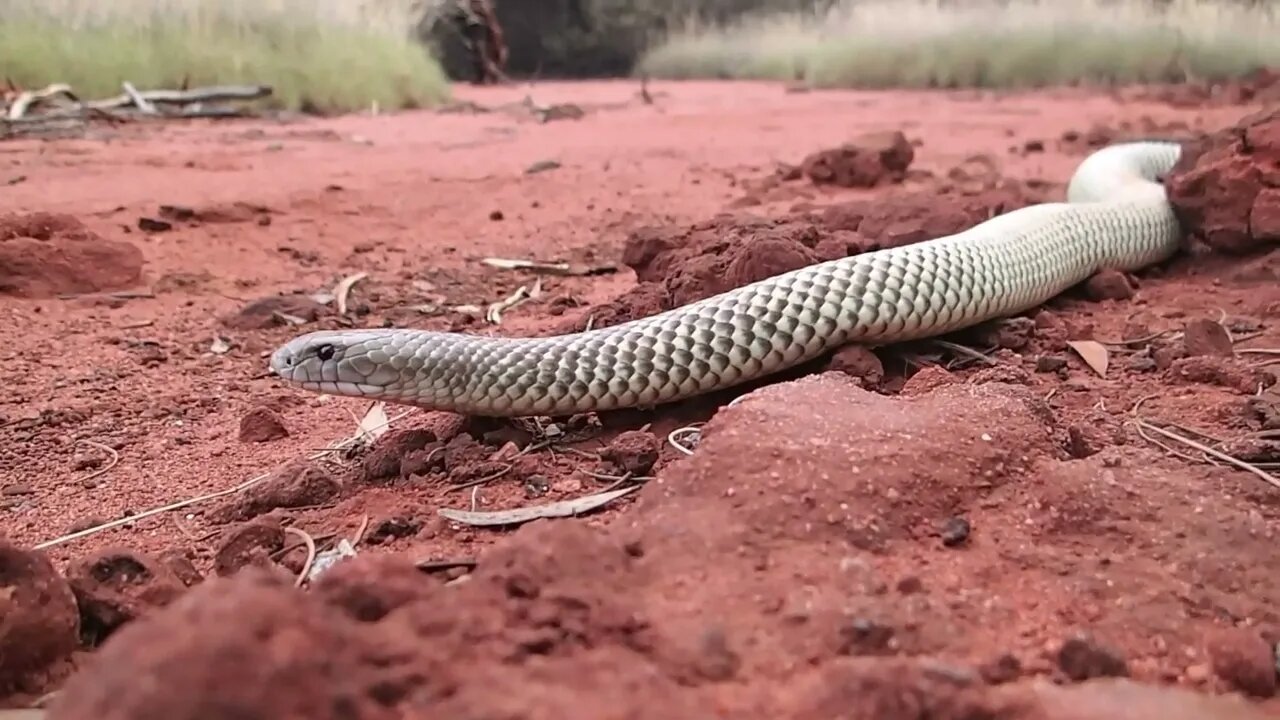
(1108, 285)
(717, 661)
(1198, 673)
(1001, 669)
(1206, 337)
(1243, 659)
(860, 363)
(152, 225)
(249, 544)
(386, 460)
(1080, 658)
(955, 531)
(299, 483)
(1086, 440)
(275, 311)
(910, 585)
(262, 424)
(863, 636)
(634, 452)
(1050, 363)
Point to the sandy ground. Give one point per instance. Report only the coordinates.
(1153, 551)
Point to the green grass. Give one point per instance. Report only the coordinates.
(319, 55)
(1028, 43)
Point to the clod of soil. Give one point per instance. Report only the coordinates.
(250, 646)
(1226, 189)
(300, 483)
(1245, 660)
(118, 585)
(39, 621)
(867, 161)
(43, 255)
(249, 544)
(275, 311)
(633, 452)
(262, 424)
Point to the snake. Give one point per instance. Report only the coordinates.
(1116, 216)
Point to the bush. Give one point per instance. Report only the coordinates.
(318, 55)
(588, 38)
(1019, 43)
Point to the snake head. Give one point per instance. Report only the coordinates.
(351, 363)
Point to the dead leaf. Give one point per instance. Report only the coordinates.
(343, 290)
(374, 424)
(1094, 354)
(549, 268)
(564, 508)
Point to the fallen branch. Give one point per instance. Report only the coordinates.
(136, 98)
(215, 93)
(131, 105)
(28, 98)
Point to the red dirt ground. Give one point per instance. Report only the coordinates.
(1006, 522)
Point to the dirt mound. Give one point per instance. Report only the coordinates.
(43, 255)
(1226, 189)
(676, 265)
(842, 534)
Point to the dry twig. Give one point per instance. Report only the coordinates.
(310, 544)
(360, 437)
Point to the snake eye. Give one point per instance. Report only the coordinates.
(325, 352)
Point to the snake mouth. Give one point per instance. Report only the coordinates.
(342, 388)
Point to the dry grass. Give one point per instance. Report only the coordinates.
(1029, 43)
(325, 55)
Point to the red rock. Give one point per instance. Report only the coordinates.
(633, 452)
(39, 620)
(299, 483)
(1206, 337)
(43, 255)
(262, 424)
(270, 312)
(249, 544)
(1108, 285)
(868, 161)
(1264, 218)
(1244, 660)
(766, 258)
(388, 455)
(1081, 658)
(860, 363)
(1218, 191)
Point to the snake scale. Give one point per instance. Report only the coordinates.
(1116, 216)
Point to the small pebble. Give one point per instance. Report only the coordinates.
(955, 531)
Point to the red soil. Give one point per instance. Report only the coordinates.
(1005, 522)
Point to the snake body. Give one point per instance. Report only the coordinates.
(1117, 216)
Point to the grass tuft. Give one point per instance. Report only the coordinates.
(983, 44)
(318, 55)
